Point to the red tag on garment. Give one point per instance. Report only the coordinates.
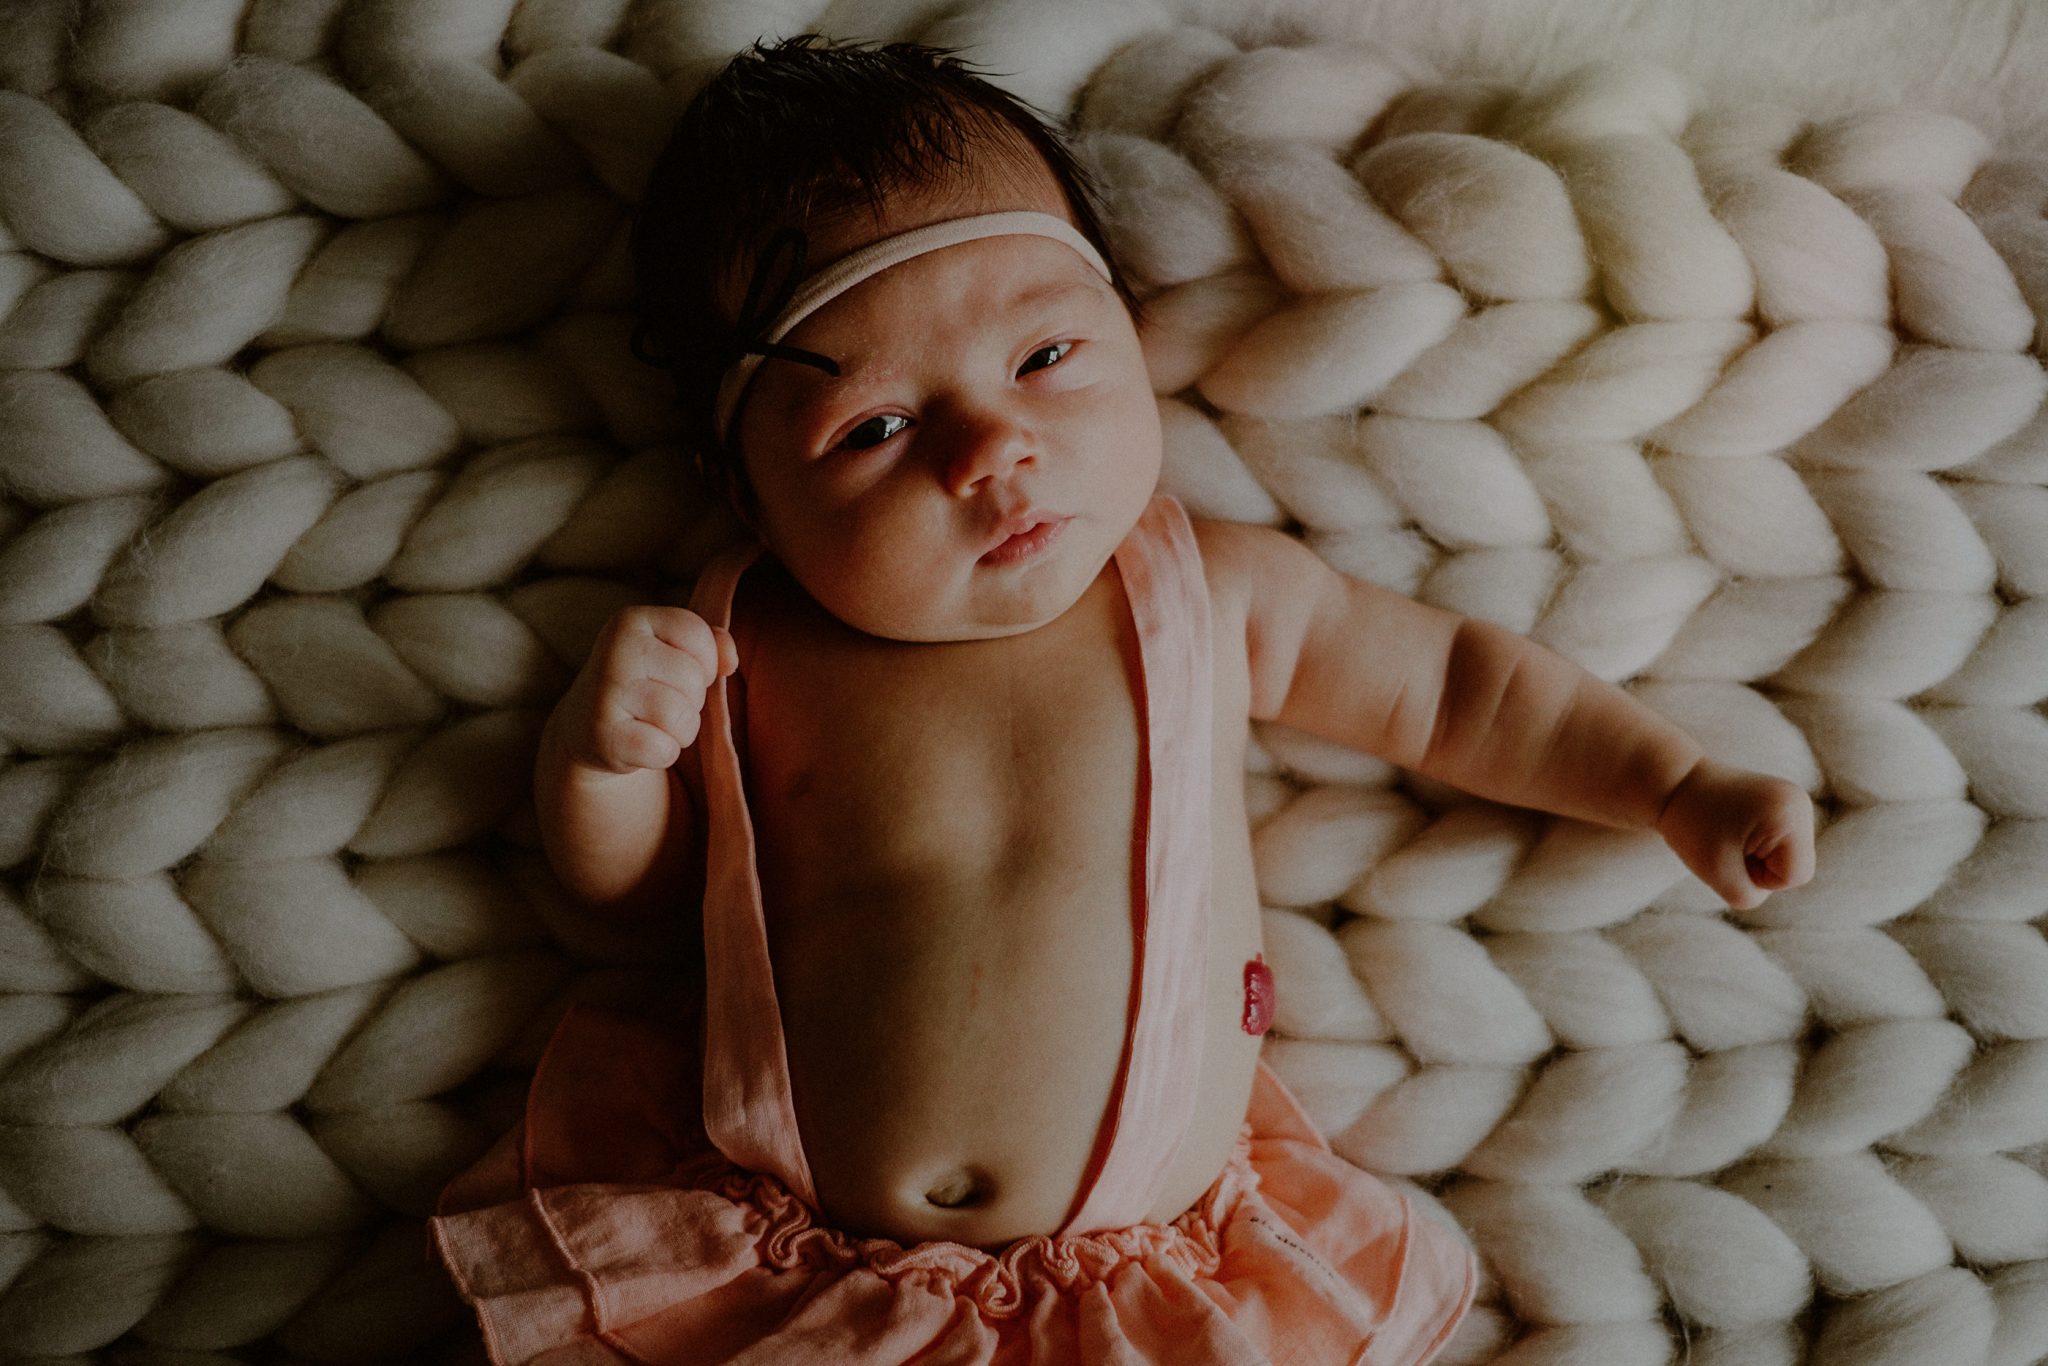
(1258, 995)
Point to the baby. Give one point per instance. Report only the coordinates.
(952, 754)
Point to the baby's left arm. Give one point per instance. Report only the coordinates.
(1487, 710)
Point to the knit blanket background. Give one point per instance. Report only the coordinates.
(322, 459)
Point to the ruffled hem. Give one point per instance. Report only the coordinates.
(587, 1237)
(1000, 1284)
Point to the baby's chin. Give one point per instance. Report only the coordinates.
(993, 604)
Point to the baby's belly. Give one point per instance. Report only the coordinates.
(954, 1038)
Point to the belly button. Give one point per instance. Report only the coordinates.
(963, 1189)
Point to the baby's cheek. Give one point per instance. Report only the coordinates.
(1258, 995)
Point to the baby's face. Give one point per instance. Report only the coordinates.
(979, 383)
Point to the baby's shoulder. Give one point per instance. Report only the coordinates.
(1267, 588)
(1235, 560)
(1232, 556)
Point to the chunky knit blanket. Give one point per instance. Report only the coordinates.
(322, 459)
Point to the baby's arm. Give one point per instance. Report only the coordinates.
(617, 841)
(1487, 710)
(616, 818)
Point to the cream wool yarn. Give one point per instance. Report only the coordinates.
(322, 458)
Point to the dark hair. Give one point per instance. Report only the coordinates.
(801, 129)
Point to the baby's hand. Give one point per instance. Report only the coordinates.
(1745, 833)
(639, 697)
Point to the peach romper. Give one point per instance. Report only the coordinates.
(630, 1218)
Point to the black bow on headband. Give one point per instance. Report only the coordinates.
(756, 313)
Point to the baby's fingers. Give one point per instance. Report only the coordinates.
(1789, 864)
(675, 646)
(1771, 868)
(1780, 852)
(674, 712)
(1718, 861)
(1733, 884)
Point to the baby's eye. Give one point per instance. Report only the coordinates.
(853, 443)
(1054, 346)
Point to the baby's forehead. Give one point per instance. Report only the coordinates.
(986, 285)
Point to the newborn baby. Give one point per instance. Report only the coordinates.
(953, 755)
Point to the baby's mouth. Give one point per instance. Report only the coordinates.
(1043, 530)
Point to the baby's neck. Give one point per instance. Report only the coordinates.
(769, 588)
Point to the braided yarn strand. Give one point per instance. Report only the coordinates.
(309, 515)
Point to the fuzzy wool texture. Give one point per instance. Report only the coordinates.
(1705, 350)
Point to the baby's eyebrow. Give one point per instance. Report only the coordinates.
(1047, 293)
(814, 384)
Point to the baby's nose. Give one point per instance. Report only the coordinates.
(987, 448)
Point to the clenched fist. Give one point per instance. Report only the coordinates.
(1745, 833)
(638, 700)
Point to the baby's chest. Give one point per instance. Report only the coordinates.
(915, 807)
(874, 769)
(946, 843)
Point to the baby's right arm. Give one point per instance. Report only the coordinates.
(615, 816)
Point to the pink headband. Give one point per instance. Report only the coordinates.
(819, 289)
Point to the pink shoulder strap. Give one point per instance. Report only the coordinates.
(749, 1113)
(1162, 573)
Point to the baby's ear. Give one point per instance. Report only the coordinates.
(742, 503)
